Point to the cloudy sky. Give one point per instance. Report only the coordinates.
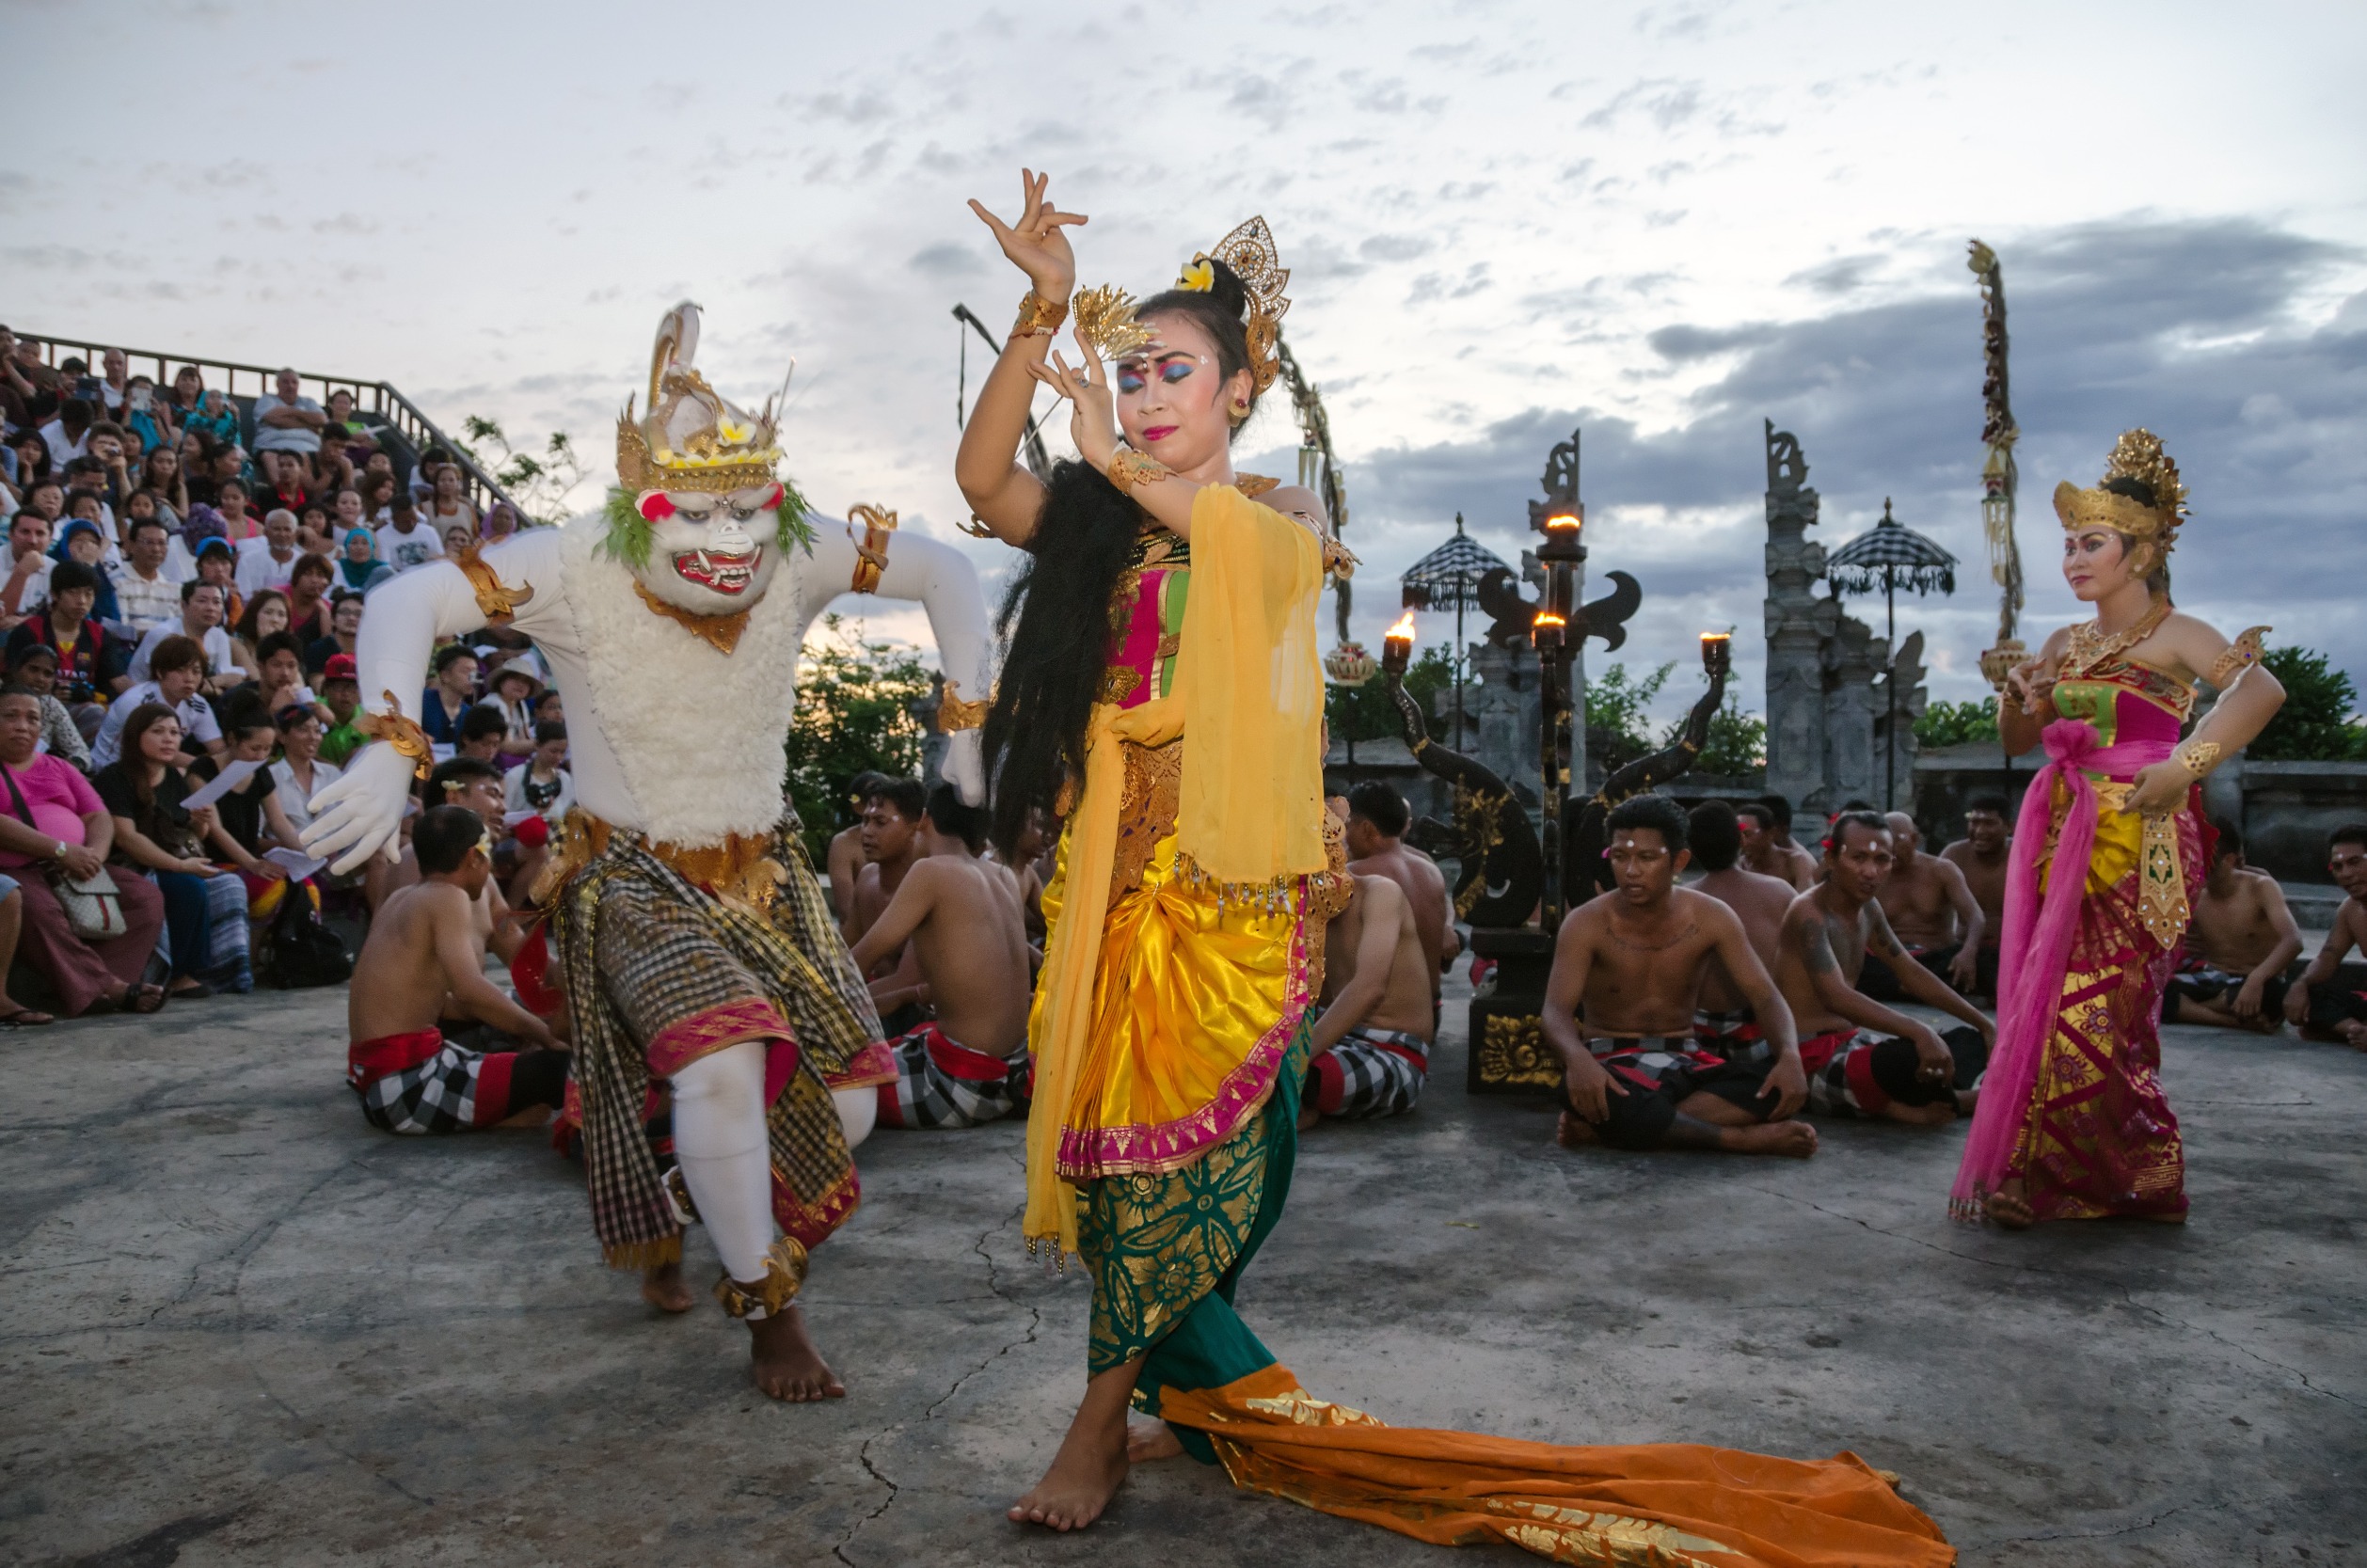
(1661, 223)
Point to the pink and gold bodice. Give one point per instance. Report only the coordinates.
(2129, 704)
(1146, 616)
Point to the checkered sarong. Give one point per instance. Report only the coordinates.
(1371, 1072)
(941, 1084)
(645, 953)
(439, 1095)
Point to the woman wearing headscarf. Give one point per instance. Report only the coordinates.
(358, 562)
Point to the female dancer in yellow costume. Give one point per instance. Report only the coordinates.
(1160, 689)
(2072, 1123)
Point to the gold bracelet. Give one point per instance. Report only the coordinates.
(1131, 470)
(402, 734)
(954, 713)
(871, 551)
(1038, 316)
(2196, 756)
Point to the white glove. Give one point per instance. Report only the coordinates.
(360, 812)
(964, 767)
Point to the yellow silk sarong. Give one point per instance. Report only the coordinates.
(1248, 694)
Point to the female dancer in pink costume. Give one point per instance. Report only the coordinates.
(2107, 857)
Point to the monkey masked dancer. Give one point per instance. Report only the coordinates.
(695, 943)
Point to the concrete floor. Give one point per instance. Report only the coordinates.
(238, 1326)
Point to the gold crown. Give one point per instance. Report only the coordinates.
(1249, 251)
(693, 438)
(2139, 455)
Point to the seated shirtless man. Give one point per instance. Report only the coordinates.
(1619, 1009)
(969, 1064)
(1371, 1044)
(1935, 917)
(1863, 1059)
(1767, 843)
(846, 849)
(1723, 1023)
(1982, 854)
(2242, 941)
(890, 844)
(2330, 1001)
(1376, 823)
(420, 962)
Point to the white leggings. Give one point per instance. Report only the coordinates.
(719, 1135)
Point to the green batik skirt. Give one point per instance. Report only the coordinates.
(1167, 1252)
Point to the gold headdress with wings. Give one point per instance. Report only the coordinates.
(2136, 456)
(1106, 315)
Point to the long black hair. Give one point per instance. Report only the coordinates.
(1054, 620)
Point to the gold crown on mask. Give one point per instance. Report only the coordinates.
(693, 438)
(2136, 456)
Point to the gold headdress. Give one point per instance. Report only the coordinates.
(1105, 318)
(2137, 455)
(1249, 250)
(693, 438)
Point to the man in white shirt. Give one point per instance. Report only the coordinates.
(144, 592)
(407, 542)
(180, 670)
(268, 559)
(26, 587)
(201, 607)
(68, 434)
(285, 421)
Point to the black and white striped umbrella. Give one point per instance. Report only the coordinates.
(1890, 555)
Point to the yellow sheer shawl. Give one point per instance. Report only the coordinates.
(1249, 695)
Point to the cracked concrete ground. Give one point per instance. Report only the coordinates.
(238, 1326)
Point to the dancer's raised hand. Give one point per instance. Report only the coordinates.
(1093, 426)
(1034, 241)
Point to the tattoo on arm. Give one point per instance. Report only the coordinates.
(1817, 953)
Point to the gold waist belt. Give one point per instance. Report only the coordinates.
(743, 868)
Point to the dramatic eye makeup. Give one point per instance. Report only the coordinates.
(1132, 374)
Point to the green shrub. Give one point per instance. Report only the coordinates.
(853, 714)
(1957, 724)
(2320, 720)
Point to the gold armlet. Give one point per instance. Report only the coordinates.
(2196, 756)
(1038, 316)
(2238, 656)
(497, 599)
(955, 714)
(871, 550)
(402, 734)
(975, 527)
(1131, 470)
(784, 1276)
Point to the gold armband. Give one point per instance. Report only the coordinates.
(1038, 316)
(784, 1276)
(402, 734)
(955, 714)
(1131, 470)
(496, 600)
(871, 550)
(2196, 756)
(2236, 657)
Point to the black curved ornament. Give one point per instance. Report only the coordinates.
(1501, 867)
(1584, 872)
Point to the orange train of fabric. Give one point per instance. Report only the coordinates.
(1654, 1505)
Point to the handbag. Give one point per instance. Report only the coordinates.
(93, 905)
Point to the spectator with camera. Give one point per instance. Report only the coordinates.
(90, 664)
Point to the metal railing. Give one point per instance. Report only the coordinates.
(388, 407)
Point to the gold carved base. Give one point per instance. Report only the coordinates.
(1509, 1053)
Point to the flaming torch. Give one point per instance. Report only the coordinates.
(1717, 653)
(1397, 647)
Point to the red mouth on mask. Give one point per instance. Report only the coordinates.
(722, 574)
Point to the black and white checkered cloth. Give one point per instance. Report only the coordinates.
(1377, 1072)
(941, 1084)
(437, 1096)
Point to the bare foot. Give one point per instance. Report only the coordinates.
(1794, 1140)
(1146, 1440)
(787, 1366)
(1085, 1475)
(661, 1286)
(2007, 1209)
(1574, 1133)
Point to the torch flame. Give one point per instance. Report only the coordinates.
(1404, 630)
(1547, 618)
